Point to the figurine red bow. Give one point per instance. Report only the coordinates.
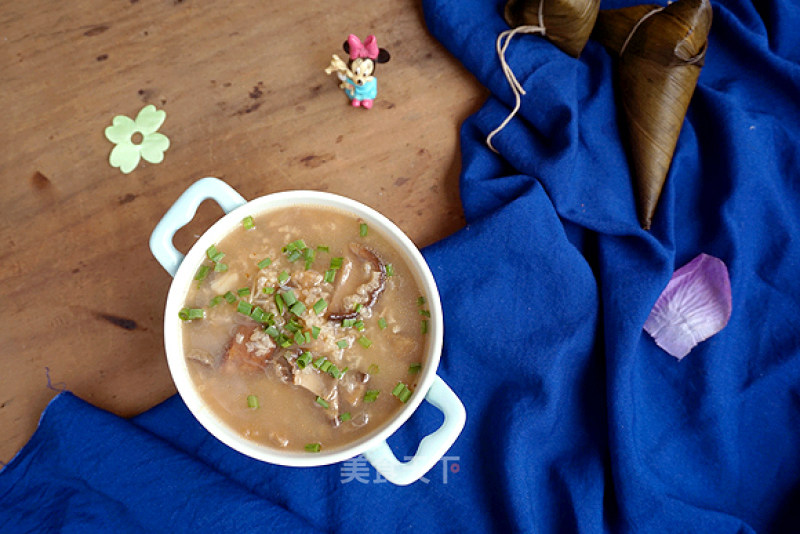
(367, 49)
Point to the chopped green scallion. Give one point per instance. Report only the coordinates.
(344, 417)
(283, 277)
(252, 401)
(322, 248)
(402, 392)
(269, 290)
(294, 256)
(313, 447)
(216, 300)
(315, 332)
(230, 297)
(303, 360)
(373, 369)
(424, 326)
(334, 372)
(358, 308)
(330, 276)
(421, 301)
(389, 269)
(320, 306)
(342, 344)
(272, 332)
(363, 229)
(244, 307)
(414, 368)
(188, 314)
(295, 245)
(213, 254)
(371, 395)
(263, 264)
(202, 272)
(359, 325)
(425, 313)
(243, 291)
(322, 402)
(299, 338)
(364, 342)
(288, 297)
(382, 323)
(220, 267)
(336, 263)
(298, 308)
(347, 323)
(280, 304)
(248, 223)
(308, 254)
(259, 315)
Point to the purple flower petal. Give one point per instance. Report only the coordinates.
(695, 305)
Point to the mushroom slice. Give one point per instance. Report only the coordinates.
(283, 370)
(250, 349)
(321, 385)
(369, 292)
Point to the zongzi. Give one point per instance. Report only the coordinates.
(661, 51)
(567, 23)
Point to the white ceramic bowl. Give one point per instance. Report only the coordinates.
(373, 446)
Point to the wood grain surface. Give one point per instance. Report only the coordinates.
(247, 101)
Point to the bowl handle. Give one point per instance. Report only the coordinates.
(183, 211)
(431, 448)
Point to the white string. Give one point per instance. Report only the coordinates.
(501, 45)
(636, 27)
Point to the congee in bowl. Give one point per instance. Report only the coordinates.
(304, 329)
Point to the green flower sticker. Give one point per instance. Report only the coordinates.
(137, 139)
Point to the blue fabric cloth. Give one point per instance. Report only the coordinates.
(577, 421)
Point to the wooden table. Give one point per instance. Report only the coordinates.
(247, 101)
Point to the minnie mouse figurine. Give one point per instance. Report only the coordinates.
(356, 78)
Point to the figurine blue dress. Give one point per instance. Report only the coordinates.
(362, 94)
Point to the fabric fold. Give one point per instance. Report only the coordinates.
(87, 470)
